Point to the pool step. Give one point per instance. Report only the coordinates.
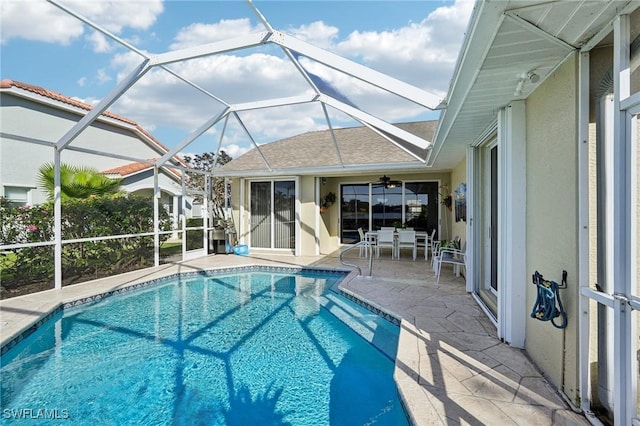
(372, 327)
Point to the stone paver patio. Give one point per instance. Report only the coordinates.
(451, 369)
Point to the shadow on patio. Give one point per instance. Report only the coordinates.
(451, 368)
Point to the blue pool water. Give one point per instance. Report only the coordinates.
(250, 348)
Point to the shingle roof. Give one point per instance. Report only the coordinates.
(357, 145)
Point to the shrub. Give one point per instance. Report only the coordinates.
(194, 237)
(92, 217)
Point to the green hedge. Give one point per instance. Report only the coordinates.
(92, 217)
(194, 237)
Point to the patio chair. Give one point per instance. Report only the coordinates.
(426, 243)
(364, 248)
(436, 245)
(457, 258)
(435, 251)
(407, 239)
(386, 239)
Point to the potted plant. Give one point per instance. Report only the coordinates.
(445, 195)
(327, 201)
(449, 245)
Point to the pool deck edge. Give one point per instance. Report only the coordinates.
(450, 367)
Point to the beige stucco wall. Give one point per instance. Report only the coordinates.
(552, 220)
(458, 176)
(328, 229)
(234, 194)
(307, 216)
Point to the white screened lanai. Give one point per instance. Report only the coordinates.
(302, 56)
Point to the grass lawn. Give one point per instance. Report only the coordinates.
(170, 248)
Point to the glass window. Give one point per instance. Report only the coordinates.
(273, 214)
(284, 210)
(261, 214)
(421, 205)
(386, 206)
(17, 196)
(354, 211)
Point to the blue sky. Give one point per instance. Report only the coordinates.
(414, 41)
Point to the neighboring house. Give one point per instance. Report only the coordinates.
(541, 124)
(32, 119)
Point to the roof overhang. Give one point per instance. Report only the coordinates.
(506, 40)
(329, 171)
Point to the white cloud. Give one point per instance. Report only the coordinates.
(198, 33)
(422, 53)
(102, 76)
(42, 21)
(234, 151)
(99, 42)
(317, 33)
(39, 21)
(117, 15)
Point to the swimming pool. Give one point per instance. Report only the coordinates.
(249, 347)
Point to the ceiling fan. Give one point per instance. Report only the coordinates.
(387, 182)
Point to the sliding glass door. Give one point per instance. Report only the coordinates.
(372, 206)
(386, 206)
(354, 211)
(421, 206)
(272, 214)
(486, 286)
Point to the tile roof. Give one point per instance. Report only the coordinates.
(8, 84)
(133, 168)
(358, 146)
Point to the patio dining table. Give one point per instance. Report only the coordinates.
(421, 236)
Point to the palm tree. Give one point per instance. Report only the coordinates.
(77, 181)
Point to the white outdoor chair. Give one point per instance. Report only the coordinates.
(457, 258)
(426, 244)
(429, 248)
(385, 239)
(407, 239)
(364, 248)
(435, 251)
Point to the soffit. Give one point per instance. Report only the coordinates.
(504, 40)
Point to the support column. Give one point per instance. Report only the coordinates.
(156, 217)
(57, 221)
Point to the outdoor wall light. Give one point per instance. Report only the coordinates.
(519, 87)
(522, 78)
(324, 180)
